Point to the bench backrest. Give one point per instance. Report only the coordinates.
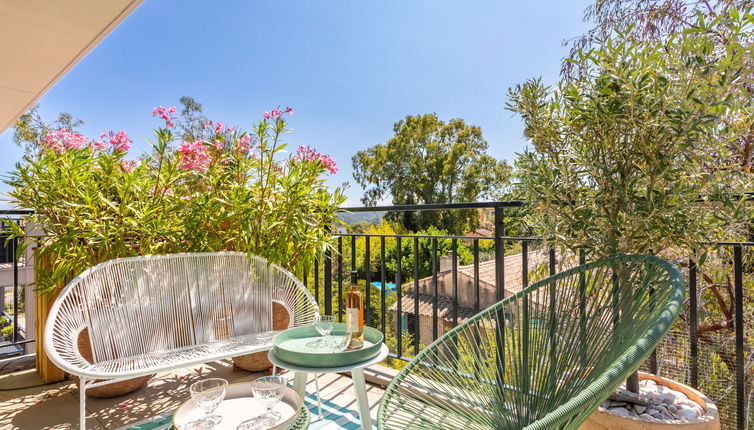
(134, 306)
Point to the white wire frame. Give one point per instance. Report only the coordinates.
(152, 314)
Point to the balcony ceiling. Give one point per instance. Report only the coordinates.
(41, 40)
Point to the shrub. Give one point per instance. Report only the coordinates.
(237, 191)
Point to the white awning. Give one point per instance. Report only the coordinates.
(40, 40)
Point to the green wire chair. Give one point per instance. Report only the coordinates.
(544, 358)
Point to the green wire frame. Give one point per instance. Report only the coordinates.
(544, 358)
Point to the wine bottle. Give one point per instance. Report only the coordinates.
(355, 317)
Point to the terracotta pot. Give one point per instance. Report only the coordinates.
(110, 390)
(603, 420)
(258, 362)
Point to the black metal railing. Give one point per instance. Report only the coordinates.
(691, 353)
(444, 311)
(14, 330)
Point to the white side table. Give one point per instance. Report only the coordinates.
(357, 375)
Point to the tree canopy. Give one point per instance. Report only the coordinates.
(634, 153)
(431, 161)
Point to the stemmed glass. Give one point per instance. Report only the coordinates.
(324, 326)
(268, 390)
(208, 394)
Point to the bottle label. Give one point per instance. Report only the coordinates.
(352, 320)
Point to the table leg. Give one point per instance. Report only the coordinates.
(319, 402)
(299, 383)
(357, 375)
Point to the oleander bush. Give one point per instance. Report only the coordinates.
(235, 191)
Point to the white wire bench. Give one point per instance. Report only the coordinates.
(156, 313)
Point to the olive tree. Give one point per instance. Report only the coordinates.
(634, 154)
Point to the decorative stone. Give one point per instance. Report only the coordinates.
(623, 412)
(660, 405)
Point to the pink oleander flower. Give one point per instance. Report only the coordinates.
(165, 113)
(244, 143)
(309, 154)
(129, 166)
(194, 156)
(219, 127)
(275, 113)
(208, 123)
(99, 145)
(119, 140)
(289, 110)
(328, 163)
(63, 140)
(267, 115)
(219, 145)
(230, 130)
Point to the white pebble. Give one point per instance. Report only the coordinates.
(621, 412)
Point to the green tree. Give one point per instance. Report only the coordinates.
(714, 23)
(30, 127)
(192, 125)
(718, 26)
(633, 154)
(431, 161)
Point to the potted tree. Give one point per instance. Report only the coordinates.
(634, 153)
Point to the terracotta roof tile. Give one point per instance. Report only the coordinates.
(444, 307)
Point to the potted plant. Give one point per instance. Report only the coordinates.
(633, 153)
(222, 190)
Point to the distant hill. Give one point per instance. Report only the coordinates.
(354, 217)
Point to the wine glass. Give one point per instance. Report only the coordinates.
(269, 391)
(339, 342)
(324, 326)
(208, 394)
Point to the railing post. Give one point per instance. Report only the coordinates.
(382, 280)
(15, 290)
(353, 260)
(477, 298)
(368, 276)
(417, 318)
(525, 314)
(499, 254)
(454, 265)
(739, 321)
(500, 294)
(693, 327)
(328, 282)
(316, 278)
(340, 279)
(399, 298)
(435, 293)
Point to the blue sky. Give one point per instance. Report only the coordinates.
(350, 69)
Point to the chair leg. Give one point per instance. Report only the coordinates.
(82, 403)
